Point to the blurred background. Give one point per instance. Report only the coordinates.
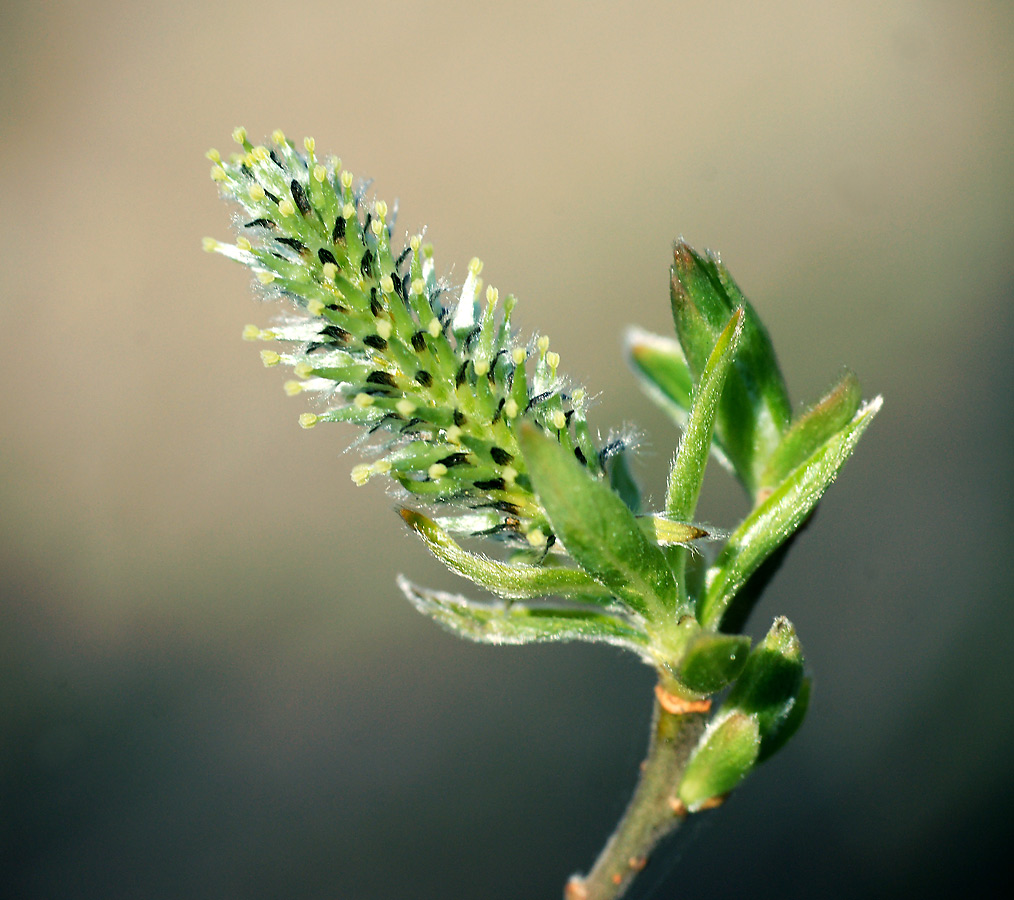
(210, 686)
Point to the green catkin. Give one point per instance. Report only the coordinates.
(440, 378)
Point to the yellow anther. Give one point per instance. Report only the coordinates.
(278, 136)
(387, 284)
(348, 211)
(405, 407)
(478, 287)
(249, 160)
(428, 251)
(319, 173)
(578, 396)
(239, 134)
(315, 307)
(553, 360)
(475, 265)
(265, 277)
(384, 328)
(260, 153)
(559, 419)
(292, 387)
(251, 333)
(519, 355)
(308, 420)
(302, 370)
(481, 367)
(382, 466)
(437, 470)
(330, 272)
(210, 244)
(270, 358)
(509, 474)
(418, 286)
(361, 474)
(510, 408)
(492, 295)
(377, 226)
(453, 434)
(543, 344)
(363, 400)
(243, 243)
(267, 335)
(287, 207)
(536, 538)
(214, 155)
(380, 208)
(219, 174)
(346, 179)
(310, 144)
(434, 328)
(414, 243)
(335, 163)
(256, 192)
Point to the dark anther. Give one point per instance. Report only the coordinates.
(271, 196)
(419, 341)
(276, 160)
(246, 170)
(375, 341)
(455, 459)
(499, 410)
(472, 335)
(500, 456)
(366, 265)
(550, 541)
(611, 449)
(580, 456)
(384, 378)
(338, 235)
(299, 196)
(326, 256)
(298, 246)
(568, 416)
(459, 378)
(424, 378)
(336, 334)
(376, 307)
(260, 223)
(491, 484)
(535, 401)
(459, 418)
(401, 258)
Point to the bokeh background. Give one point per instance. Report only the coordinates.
(209, 684)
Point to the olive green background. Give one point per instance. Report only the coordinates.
(209, 684)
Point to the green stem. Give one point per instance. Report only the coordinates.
(653, 812)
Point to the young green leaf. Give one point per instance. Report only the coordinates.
(772, 687)
(596, 528)
(687, 473)
(514, 580)
(777, 517)
(724, 757)
(712, 660)
(818, 424)
(516, 623)
(755, 407)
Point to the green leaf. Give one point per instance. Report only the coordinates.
(665, 377)
(514, 580)
(772, 687)
(596, 528)
(724, 757)
(516, 623)
(687, 473)
(712, 660)
(755, 408)
(777, 517)
(813, 428)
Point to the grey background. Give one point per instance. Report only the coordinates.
(209, 684)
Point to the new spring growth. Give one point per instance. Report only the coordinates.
(437, 374)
